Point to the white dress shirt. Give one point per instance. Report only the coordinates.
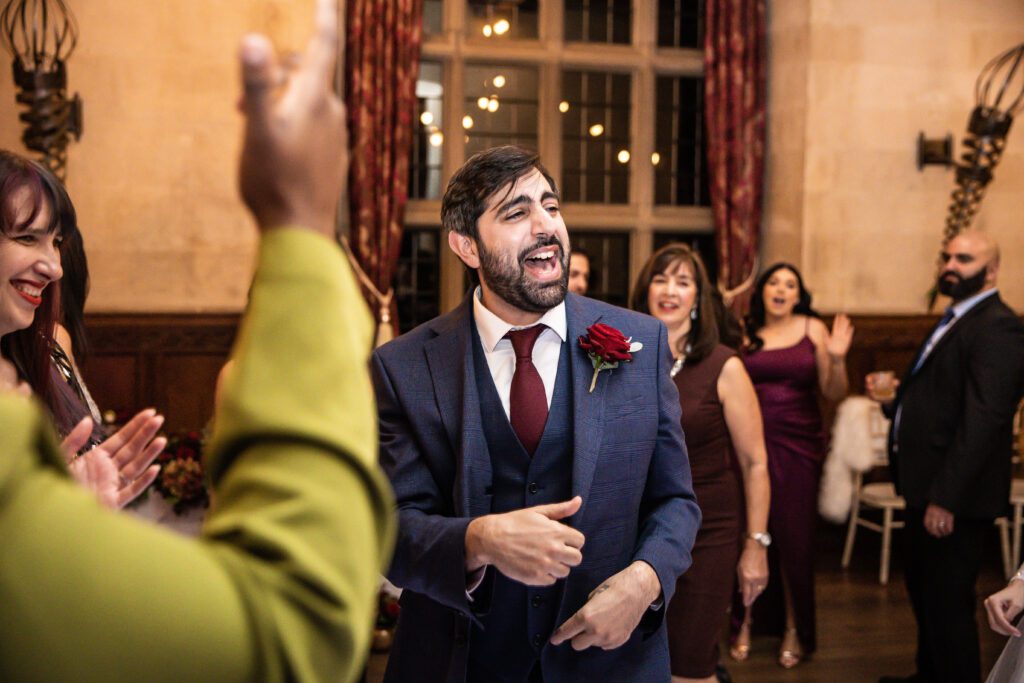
(501, 358)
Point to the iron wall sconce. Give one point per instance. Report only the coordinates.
(41, 35)
(998, 94)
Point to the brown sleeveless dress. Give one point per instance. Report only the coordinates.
(699, 610)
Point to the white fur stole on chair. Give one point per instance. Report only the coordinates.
(854, 448)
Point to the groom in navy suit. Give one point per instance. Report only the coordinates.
(544, 514)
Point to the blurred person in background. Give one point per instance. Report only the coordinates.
(579, 271)
(950, 449)
(793, 359)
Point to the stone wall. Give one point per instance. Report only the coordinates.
(852, 84)
(153, 177)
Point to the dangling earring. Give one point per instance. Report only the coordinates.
(693, 312)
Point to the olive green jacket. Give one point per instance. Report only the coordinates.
(282, 584)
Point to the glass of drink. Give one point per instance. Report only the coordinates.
(883, 384)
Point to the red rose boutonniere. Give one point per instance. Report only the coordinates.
(607, 347)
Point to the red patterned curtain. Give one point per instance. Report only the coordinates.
(382, 54)
(734, 109)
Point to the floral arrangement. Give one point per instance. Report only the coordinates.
(387, 619)
(181, 481)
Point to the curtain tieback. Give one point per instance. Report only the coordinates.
(385, 332)
(729, 294)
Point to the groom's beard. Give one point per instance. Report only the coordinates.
(959, 288)
(510, 281)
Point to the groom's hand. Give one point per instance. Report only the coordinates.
(612, 611)
(530, 545)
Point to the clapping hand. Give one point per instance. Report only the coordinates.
(837, 342)
(119, 469)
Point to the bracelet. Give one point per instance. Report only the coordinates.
(1019, 576)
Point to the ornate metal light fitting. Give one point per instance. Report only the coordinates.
(40, 35)
(999, 94)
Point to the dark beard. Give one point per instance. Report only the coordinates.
(961, 288)
(510, 282)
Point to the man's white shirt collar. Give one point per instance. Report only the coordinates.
(493, 329)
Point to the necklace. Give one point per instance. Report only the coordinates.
(680, 362)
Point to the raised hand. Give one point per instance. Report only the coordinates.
(1003, 607)
(837, 342)
(612, 610)
(130, 452)
(295, 154)
(530, 545)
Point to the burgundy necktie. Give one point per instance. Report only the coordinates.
(528, 404)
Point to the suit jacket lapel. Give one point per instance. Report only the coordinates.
(450, 361)
(958, 326)
(588, 408)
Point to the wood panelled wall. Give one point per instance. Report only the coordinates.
(166, 361)
(171, 361)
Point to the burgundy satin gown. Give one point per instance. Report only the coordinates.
(786, 381)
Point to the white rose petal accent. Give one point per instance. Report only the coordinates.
(635, 346)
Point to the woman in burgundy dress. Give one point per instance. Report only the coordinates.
(792, 358)
(720, 416)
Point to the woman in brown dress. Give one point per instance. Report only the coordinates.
(720, 417)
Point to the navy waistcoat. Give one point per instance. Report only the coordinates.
(521, 618)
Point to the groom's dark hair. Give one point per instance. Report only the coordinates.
(479, 178)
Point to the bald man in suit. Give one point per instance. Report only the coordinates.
(950, 446)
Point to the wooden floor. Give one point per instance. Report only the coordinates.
(865, 630)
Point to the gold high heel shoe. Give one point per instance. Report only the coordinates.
(740, 650)
(790, 658)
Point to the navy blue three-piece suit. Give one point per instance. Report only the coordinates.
(451, 455)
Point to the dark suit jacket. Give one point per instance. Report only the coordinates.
(629, 466)
(956, 424)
